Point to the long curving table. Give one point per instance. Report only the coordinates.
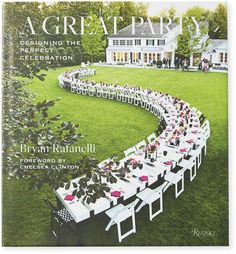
(174, 114)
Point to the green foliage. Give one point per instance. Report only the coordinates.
(197, 12)
(32, 124)
(218, 23)
(214, 25)
(15, 19)
(29, 124)
(93, 41)
(190, 42)
(203, 204)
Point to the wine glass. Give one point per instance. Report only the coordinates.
(140, 166)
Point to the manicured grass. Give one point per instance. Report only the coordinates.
(113, 127)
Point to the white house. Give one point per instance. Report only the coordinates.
(217, 53)
(142, 47)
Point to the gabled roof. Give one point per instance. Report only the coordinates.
(143, 31)
(217, 44)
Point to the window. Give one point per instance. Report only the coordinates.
(129, 42)
(150, 57)
(150, 42)
(160, 42)
(122, 42)
(122, 56)
(145, 57)
(138, 42)
(114, 56)
(115, 42)
(154, 56)
(158, 57)
(226, 57)
(221, 57)
(126, 57)
(135, 57)
(118, 56)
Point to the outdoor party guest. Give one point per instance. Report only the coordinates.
(206, 65)
(166, 66)
(180, 63)
(202, 64)
(169, 62)
(176, 63)
(185, 64)
(164, 62)
(154, 62)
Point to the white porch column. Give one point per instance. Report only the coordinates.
(147, 58)
(173, 59)
(162, 55)
(108, 56)
(128, 56)
(191, 61)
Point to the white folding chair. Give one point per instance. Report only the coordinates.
(119, 96)
(204, 135)
(206, 132)
(120, 213)
(99, 92)
(194, 109)
(124, 97)
(73, 87)
(190, 165)
(111, 95)
(91, 91)
(148, 197)
(130, 98)
(151, 138)
(129, 151)
(140, 145)
(137, 100)
(143, 102)
(79, 89)
(199, 113)
(104, 94)
(148, 105)
(175, 178)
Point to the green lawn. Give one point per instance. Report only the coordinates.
(113, 127)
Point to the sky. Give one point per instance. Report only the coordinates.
(155, 7)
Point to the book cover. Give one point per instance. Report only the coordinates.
(115, 123)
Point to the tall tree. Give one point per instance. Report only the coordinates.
(218, 23)
(32, 124)
(172, 12)
(93, 42)
(190, 42)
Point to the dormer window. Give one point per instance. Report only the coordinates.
(122, 42)
(160, 42)
(129, 42)
(138, 42)
(115, 42)
(150, 42)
